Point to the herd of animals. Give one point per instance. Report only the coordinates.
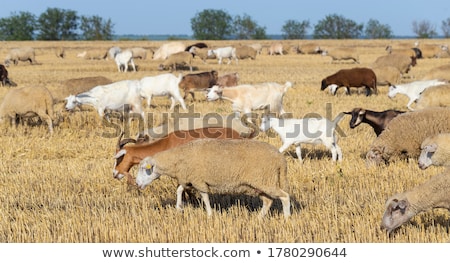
(422, 133)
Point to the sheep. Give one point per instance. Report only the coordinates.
(75, 86)
(20, 54)
(401, 62)
(93, 54)
(436, 96)
(432, 50)
(413, 89)
(378, 120)
(433, 193)
(308, 130)
(180, 58)
(309, 48)
(342, 53)
(435, 150)
(403, 136)
(198, 82)
(113, 51)
(127, 156)
(139, 52)
(245, 98)
(276, 49)
(387, 75)
(439, 72)
(243, 52)
(228, 80)
(122, 60)
(257, 47)
(26, 101)
(410, 52)
(60, 52)
(162, 85)
(202, 53)
(168, 49)
(354, 77)
(245, 167)
(4, 77)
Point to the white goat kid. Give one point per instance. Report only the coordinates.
(123, 59)
(307, 130)
(413, 89)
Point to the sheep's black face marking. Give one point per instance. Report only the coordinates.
(149, 171)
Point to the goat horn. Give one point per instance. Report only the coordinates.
(125, 141)
(118, 141)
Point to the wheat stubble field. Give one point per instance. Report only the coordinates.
(60, 188)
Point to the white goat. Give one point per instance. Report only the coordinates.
(123, 59)
(413, 89)
(307, 130)
(223, 52)
(162, 85)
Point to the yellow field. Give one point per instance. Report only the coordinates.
(60, 188)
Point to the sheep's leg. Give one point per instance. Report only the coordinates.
(286, 202)
(285, 146)
(298, 151)
(179, 205)
(267, 203)
(206, 202)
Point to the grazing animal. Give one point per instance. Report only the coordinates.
(162, 85)
(139, 52)
(20, 54)
(405, 133)
(28, 101)
(439, 72)
(93, 54)
(228, 80)
(387, 75)
(432, 50)
(276, 49)
(198, 82)
(246, 98)
(402, 62)
(4, 77)
(243, 52)
(168, 49)
(180, 58)
(436, 96)
(308, 130)
(129, 155)
(431, 194)
(342, 53)
(377, 119)
(354, 77)
(122, 60)
(245, 167)
(435, 150)
(74, 86)
(223, 52)
(413, 89)
(202, 53)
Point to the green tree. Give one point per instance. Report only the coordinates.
(337, 27)
(293, 29)
(375, 30)
(95, 28)
(424, 29)
(19, 26)
(246, 28)
(445, 26)
(211, 24)
(58, 24)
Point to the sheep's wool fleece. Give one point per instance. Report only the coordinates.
(225, 166)
(405, 133)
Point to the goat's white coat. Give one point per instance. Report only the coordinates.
(413, 89)
(223, 52)
(123, 59)
(162, 85)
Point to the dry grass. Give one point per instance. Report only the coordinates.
(60, 188)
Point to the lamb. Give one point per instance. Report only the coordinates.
(245, 167)
(276, 49)
(180, 58)
(75, 86)
(342, 53)
(354, 77)
(387, 75)
(435, 151)
(20, 54)
(93, 54)
(436, 96)
(431, 194)
(162, 85)
(122, 60)
(405, 133)
(413, 89)
(307, 130)
(243, 52)
(401, 62)
(439, 72)
(198, 82)
(168, 49)
(228, 80)
(377, 119)
(28, 101)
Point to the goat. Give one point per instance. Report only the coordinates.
(378, 120)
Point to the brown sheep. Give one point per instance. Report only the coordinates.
(354, 77)
(228, 80)
(198, 82)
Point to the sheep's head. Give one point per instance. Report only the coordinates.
(376, 156)
(147, 172)
(426, 154)
(398, 211)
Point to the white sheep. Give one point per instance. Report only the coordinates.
(413, 89)
(308, 130)
(433, 193)
(436, 96)
(28, 101)
(405, 133)
(342, 53)
(435, 151)
(244, 167)
(20, 54)
(122, 60)
(180, 58)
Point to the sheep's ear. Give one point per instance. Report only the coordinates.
(431, 148)
(120, 154)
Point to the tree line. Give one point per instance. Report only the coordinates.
(209, 24)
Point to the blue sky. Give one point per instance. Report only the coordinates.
(173, 16)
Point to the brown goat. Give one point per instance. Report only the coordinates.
(198, 82)
(228, 80)
(354, 77)
(378, 120)
(129, 155)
